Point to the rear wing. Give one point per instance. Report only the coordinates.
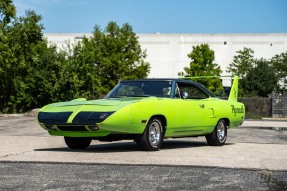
(233, 95)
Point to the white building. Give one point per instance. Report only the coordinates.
(167, 53)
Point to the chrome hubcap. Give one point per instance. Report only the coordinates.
(154, 133)
(221, 132)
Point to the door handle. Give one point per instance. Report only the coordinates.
(201, 106)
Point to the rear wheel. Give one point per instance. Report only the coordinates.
(219, 134)
(152, 137)
(77, 142)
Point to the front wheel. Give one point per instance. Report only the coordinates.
(219, 134)
(77, 142)
(152, 137)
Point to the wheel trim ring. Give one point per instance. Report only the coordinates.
(154, 134)
(221, 132)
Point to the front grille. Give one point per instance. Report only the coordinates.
(72, 128)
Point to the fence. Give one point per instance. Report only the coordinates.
(279, 105)
(275, 107)
(257, 107)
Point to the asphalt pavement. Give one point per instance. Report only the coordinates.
(67, 177)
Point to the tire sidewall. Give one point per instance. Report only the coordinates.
(145, 137)
(225, 132)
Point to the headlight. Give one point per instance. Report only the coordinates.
(103, 116)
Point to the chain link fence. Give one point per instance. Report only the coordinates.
(279, 105)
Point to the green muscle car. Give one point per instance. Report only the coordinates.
(146, 111)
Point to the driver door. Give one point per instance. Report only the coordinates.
(192, 110)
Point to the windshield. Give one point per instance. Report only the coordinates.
(142, 89)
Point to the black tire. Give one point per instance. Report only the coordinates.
(219, 134)
(77, 142)
(151, 139)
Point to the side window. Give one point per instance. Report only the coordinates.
(193, 91)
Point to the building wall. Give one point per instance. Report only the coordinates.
(167, 53)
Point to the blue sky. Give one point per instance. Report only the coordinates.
(163, 16)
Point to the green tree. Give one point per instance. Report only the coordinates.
(24, 39)
(25, 76)
(46, 74)
(98, 63)
(119, 55)
(242, 62)
(260, 80)
(7, 12)
(33, 74)
(78, 76)
(202, 64)
(279, 62)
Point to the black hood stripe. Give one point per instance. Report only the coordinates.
(54, 117)
(89, 118)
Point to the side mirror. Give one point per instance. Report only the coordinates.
(184, 95)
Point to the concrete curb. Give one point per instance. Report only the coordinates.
(274, 119)
(266, 128)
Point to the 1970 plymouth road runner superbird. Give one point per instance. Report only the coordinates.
(146, 111)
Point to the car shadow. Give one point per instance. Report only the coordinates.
(174, 144)
(100, 148)
(116, 147)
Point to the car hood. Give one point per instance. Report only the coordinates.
(82, 111)
(100, 102)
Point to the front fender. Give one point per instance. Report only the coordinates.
(121, 121)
